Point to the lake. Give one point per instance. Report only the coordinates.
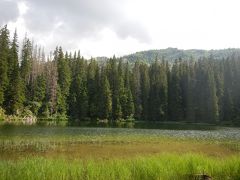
(170, 130)
(39, 152)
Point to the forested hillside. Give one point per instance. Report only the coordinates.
(171, 54)
(67, 85)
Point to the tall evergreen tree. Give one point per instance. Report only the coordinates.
(105, 99)
(175, 98)
(129, 106)
(113, 77)
(64, 80)
(15, 91)
(93, 88)
(78, 99)
(190, 95)
(26, 61)
(136, 90)
(145, 87)
(52, 88)
(4, 50)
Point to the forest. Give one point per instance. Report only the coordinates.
(66, 85)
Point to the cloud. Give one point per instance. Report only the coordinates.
(81, 19)
(106, 27)
(9, 11)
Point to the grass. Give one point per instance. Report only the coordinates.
(61, 153)
(165, 166)
(111, 146)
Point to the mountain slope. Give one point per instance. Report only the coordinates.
(171, 54)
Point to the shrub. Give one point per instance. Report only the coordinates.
(2, 114)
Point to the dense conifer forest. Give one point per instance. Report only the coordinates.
(65, 85)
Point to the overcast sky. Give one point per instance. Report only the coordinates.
(107, 27)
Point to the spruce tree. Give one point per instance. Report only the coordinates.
(15, 92)
(129, 106)
(4, 50)
(190, 103)
(136, 90)
(92, 87)
(26, 61)
(175, 98)
(78, 98)
(145, 87)
(105, 99)
(213, 109)
(64, 80)
(112, 71)
(39, 94)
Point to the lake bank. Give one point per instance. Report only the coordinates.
(85, 142)
(54, 152)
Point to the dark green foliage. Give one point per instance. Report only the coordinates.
(175, 94)
(158, 95)
(171, 54)
(116, 87)
(26, 61)
(191, 88)
(93, 88)
(78, 98)
(190, 92)
(64, 80)
(40, 88)
(78, 106)
(207, 100)
(105, 99)
(15, 91)
(39, 95)
(4, 50)
(145, 88)
(136, 90)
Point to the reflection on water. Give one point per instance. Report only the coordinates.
(132, 124)
(155, 129)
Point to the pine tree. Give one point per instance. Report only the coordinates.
(190, 103)
(26, 61)
(129, 105)
(158, 101)
(228, 105)
(105, 99)
(78, 99)
(175, 94)
(123, 99)
(52, 88)
(15, 93)
(163, 90)
(206, 100)
(92, 86)
(213, 99)
(39, 94)
(145, 87)
(136, 90)
(219, 78)
(4, 49)
(154, 99)
(112, 71)
(121, 89)
(64, 80)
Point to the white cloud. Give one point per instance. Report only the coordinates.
(122, 27)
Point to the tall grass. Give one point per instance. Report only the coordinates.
(37, 153)
(166, 166)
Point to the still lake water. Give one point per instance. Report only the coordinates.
(199, 131)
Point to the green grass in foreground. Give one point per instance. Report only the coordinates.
(165, 166)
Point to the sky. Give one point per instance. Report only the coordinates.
(108, 27)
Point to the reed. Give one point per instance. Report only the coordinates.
(165, 166)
